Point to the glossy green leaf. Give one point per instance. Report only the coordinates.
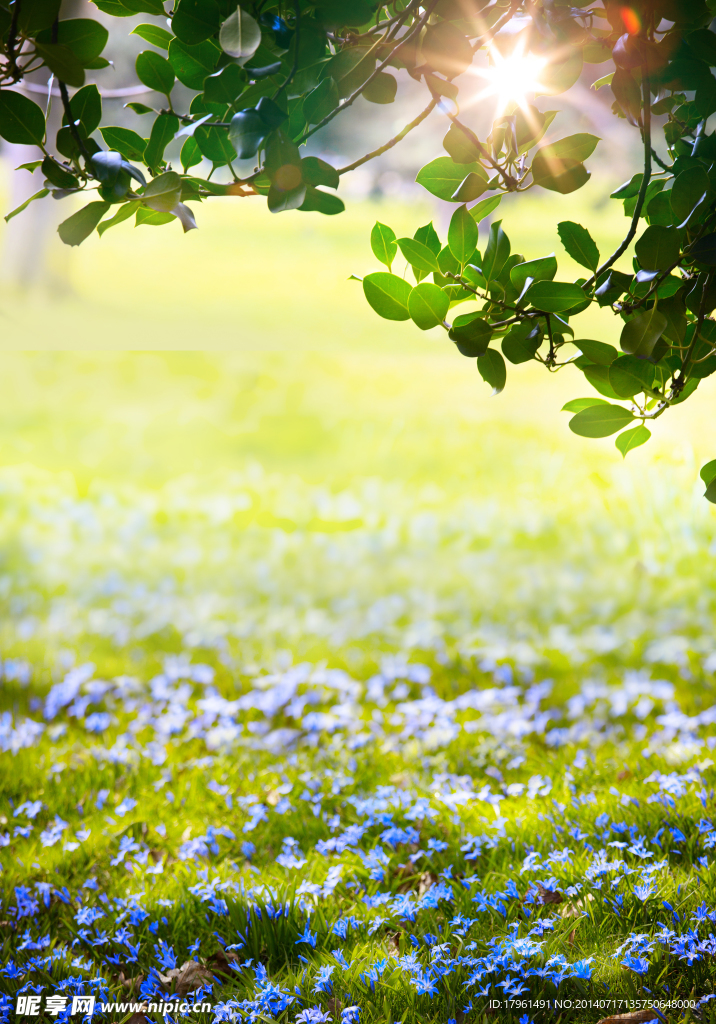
(658, 248)
(600, 420)
(689, 190)
(484, 208)
(190, 154)
(521, 342)
(428, 305)
(154, 35)
(579, 244)
(215, 144)
(62, 63)
(155, 71)
(554, 296)
(497, 252)
(539, 270)
(193, 64)
(21, 121)
(282, 199)
(318, 201)
(86, 107)
(23, 206)
(703, 251)
(460, 145)
(598, 377)
(577, 404)
(321, 101)
(388, 295)
(85, 37)
(125, 211)
(80, 225)
(196, 20)
(381, 89)
(470, 188)
(163, 192)
(633, 438)
(442, 177)
(640, 335)
(492, 369)
(708, 472)
(319, 172)
(164, 129)
(598, 351)
(471, 334)
(563, 176)
(418, 255)
(125, 141)
(225, 86)
(247, 132)
(240, 35)
(462, 235)
(629, 375)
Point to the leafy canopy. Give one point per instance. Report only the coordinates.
(264, 77)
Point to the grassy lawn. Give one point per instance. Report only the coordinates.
(334, 688)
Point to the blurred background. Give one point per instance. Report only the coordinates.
(210, 441)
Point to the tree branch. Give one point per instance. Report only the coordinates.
(646, 103)
(394, 141)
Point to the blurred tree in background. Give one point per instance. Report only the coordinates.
(244, 89)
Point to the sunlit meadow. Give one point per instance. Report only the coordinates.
(335, 689)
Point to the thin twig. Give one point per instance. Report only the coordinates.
(644, 185)
(394, 141)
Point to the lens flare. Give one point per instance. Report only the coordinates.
(511, 79)
(632, 21)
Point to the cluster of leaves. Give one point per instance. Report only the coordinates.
(663, 53)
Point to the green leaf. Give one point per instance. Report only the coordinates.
(319, 103)
(630, 189)
(600, 420)
(247, 132)
(281, 199)
(196, 20)
(23, 206)
(443, 176)
(388, 295)
(471, 334)
(428, 305)
(240, 36)
(640, 335)
(497, 252)
(703, 44)
(21, 121)
(460, 146)
(598, 377)
(554, 296)
(484, 208)
(80, 225)
(384, 244)
(462, 235)
(124, 213)
(225, 86)
(559, 76)
(155, 71)
(521, 343)
(598, 351)
(154, 35)
(418, 255)
(446, 49)
(689, 190)
(193, 64)
(470, 188)
(579, 244)
(492, 369)
(703, 251)
(317, 172)
(658, 248)
(632, 439)
(164, 129)
(708, 472)
(190, 154)
(563, 176)
(539, 270)
(163, 192)
(85, 37)
(58, 175)
(125, 141)
(215, 144)
(629, 375)
(382, 89)
(577, 404)
(86, 107)
(62, 62)
(152, 217)
(318, 201)
(429, 236)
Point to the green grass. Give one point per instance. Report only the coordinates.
(317, 486)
